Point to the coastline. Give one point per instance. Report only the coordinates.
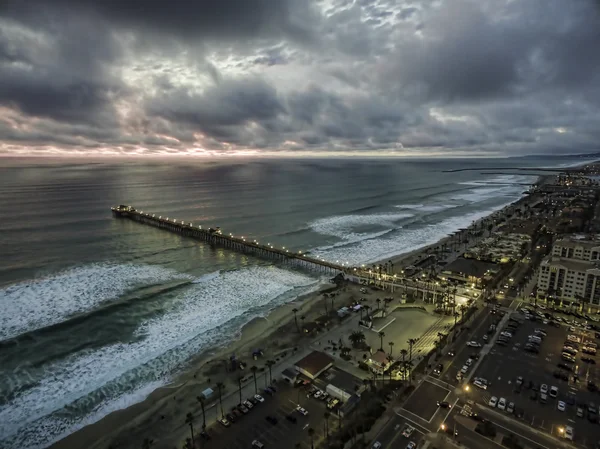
(170, 403)
(195, 377)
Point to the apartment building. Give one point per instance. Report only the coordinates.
(572, 271)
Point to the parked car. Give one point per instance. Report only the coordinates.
(302, 411)
(225, 422)
(474, 344)
(553, 391)
(510, 407)
(493, 401)
(502, 404)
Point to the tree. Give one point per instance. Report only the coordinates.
(403, 353)
(296, 318)
(220, 386)
(411, 342)
(390, 360)
(269, 364)
(239, 379)
(391, 343)
(357, 338)
(311, 434)
(381, 335)
(201, 399)
(189, 420)
(326, 415)
(254, 369)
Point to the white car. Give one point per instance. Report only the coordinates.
(510, 408)
(464, 369)
(376, 445)
(474, 344)
(493, 401)
(569, 433)
(480, 383)
(561, 406)
(411, 445)
(506, 334)
(469, 361)
(302, 411)
(553, 391)
(502, 404)
(259, 398)
(408, 431)
(544, 389)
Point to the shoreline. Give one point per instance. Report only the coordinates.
(95, 435)
(258, 331)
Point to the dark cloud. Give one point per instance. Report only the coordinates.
(482, 76)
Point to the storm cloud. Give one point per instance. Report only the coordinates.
(455, 76)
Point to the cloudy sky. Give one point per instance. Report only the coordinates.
(204, 77)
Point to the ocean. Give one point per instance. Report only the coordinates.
(97, 312)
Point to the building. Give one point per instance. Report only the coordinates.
(577, 248)
(341, 384)
(314, 364)
(290, 375)
(470, 271)
(572, 271)
(379, 362)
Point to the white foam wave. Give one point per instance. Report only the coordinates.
(403, 241)
(43, 302)
(426, 207)
(207, 277)
(191, 324)
(342, 226)
(482, 194)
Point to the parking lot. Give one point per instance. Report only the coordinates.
(285, 433)
(504, 364)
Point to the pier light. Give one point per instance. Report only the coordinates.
(160, 217)
(182, 222)
(244, 240)
(283, 247)
(286, 251)
(167, 218)
(299, 252)
(174, 220)
(337, 261)
(355, 269)
(269, 244)
(199, 226)
(153, 215)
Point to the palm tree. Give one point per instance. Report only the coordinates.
(403, 353)
(391, 343)
(220, 386)
(327, 415)
(270, 364)
(296, 318)
(147, 443)
(254, 369)
(411, 342)
(239, 379)
(357, 338)
(201, 399)
(381, 335)
(311, 434)
(189, 419)
(390, 360)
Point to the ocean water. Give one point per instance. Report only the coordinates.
(97, 312)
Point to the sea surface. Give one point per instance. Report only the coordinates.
(96, 312)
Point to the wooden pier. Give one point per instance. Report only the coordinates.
(214, 236)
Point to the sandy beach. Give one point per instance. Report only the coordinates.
(161, 416)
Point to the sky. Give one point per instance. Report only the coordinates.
(281, 77)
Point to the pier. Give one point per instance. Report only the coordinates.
(214, 236)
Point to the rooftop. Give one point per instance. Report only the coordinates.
(471, 267)
(315, 362)
(570, 264)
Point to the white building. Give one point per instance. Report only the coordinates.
(572, 272)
